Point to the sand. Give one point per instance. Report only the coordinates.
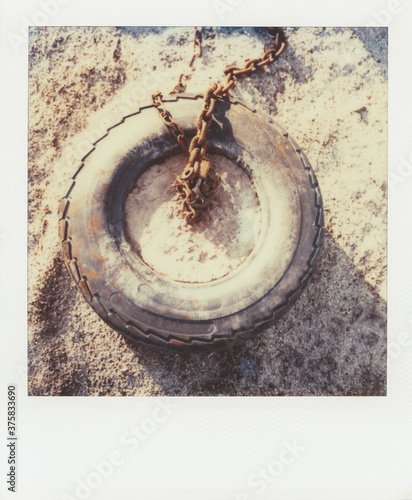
(329, 90)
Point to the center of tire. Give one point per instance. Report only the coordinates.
(198, 253)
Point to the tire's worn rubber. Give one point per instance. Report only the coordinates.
(151, 309)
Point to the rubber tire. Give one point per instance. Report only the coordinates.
(150, 309)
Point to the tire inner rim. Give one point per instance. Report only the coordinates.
(198, 253)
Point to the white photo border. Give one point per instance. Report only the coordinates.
(349, 443)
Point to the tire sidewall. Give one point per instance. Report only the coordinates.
(129, 295)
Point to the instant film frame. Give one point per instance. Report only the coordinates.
(307, 448)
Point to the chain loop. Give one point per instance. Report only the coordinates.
(198, 183)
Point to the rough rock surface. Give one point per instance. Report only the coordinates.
(329, 90)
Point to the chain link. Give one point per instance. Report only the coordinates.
(198, 183)
(197, 52)
(174, 128)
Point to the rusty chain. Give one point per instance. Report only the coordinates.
(174, 128)
(197, 52)
(198, 183)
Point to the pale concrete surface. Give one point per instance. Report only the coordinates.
(329, 90)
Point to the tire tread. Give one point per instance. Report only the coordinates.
(150, 337)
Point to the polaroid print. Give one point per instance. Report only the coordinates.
(218, 196)
(206, 216)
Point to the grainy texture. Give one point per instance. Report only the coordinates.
(329, 89)
(194, 253)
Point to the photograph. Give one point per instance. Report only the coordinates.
(207, 211)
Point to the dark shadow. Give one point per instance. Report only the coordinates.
(48, 351)
(277, 75)
(53, 294)
(332, 343)
(289, 65)
(141, 31)
(375, 41)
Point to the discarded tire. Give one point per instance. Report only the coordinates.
(148, 308)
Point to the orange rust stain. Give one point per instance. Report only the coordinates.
(80, 268)
(83, 286)
(173, 341)
(91, 274)
(99, 257)
(73, 208)
(76, 247)
(94, 223)
(123, 265)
